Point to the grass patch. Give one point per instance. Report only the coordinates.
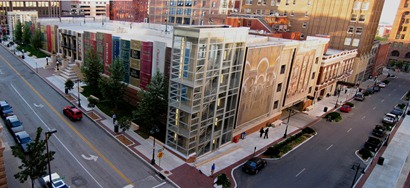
(29, 48)
(284, 147)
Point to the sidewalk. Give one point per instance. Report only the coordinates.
(172, 167)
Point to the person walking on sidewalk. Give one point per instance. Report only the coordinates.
(114, 117)
(266, 133)
(261, 132)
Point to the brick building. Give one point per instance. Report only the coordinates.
(131, 11)
(400, 34)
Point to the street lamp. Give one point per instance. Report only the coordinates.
(153, 130)
(357, 168)
(287, 124)
(78, 89)
(166, 26)
(48, 134)
(338, 95)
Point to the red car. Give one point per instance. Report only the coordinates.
(345, 108)
(72, 113)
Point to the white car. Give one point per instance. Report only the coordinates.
(57, 181)
(382, 85)
(390, 118)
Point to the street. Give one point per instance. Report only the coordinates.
(327, 159)
(85, 155)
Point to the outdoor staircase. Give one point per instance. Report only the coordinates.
(69, 72)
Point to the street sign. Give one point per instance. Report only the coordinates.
(160, 154)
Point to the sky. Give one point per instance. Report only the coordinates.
(389, 11)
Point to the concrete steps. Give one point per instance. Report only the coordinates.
(69, 73)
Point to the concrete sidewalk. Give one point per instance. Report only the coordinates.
(171, 166)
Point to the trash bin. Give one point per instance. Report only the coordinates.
(325, 109)
(243, 135)
(66, 91)
(380, 161)
(116, 128)
(236, 139)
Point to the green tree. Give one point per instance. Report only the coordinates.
(113, 87)
(92, 69)
(4, 37)
(69, 84)
(36, 39)
(152, 101)
(125, 123)
(223, 180)
(18, 33)
(34, 165)
(26, 34)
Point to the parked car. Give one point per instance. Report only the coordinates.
(57, 181)
(345, 108)
(73, 113)
(373, 144)
(379, 131)
(397, 111)
(390, 119)
(376, 88)
(382, 85)
(254, 165)
(5, 109)
(369, 91)
(14, 124)
(359, 97)
(23, 139)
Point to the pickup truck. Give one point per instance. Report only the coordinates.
(373, 144)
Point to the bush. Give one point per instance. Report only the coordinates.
(365, 153)
(386, 81)
(333, 116)
(401, 106)
(308, 130)
(350, 104)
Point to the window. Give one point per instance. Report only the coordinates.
(306, 14)
(275, 104)
(294, 2)
(359, 30)
(356, 5)
(287, 2)
(348, 41)
(285, 13)
(355, 42)
(282, 69)
(407, 55)
(310, 89)
(395, 53)
(404, 29)
(213, 4)
(402, 36)
(302, 36)
(272, 3)
(292, 13)
(259, 2)
(258, 11)
(353, 18)
(309, 2)
(317, 60)
(365, 6)
(362, 18)
(350, 30)
(203, 3)
(304, 24)
(279, 87)
(313, 76)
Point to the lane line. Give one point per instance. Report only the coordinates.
(374, 108)
(363, 117)
(300, 172)
(159, 185)
(382, 100)
(329, 147)
(55, 136)
(349, 130)
(69, 125)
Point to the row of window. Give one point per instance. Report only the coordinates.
(354, 17)
(396, 53)
(188, 3)
(350, 42)
(30, 4)
(187, 11)
(275, 2)
(361, 5)
(351, 29)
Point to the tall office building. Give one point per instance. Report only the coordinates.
(351, 24)
(204, 89)
(400, 34)
(88, 8)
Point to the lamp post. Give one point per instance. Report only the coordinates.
(48, 134)
(166, 26)
(338, 95)
(287, 124)
(78, 89)
(153, 130)
(357, 168)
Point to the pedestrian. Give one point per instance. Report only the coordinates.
(114, 117)
(261, 132)
(266, 133)
(345, 91)
(212, 170)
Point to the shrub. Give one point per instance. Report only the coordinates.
(92, 100)
(333, 116)
(350, 104)
(401, 106)
(365, 153)
(386, 81)
(308, 130)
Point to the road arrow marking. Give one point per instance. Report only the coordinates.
(38, 105)
(92, 157)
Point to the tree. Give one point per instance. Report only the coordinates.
(92, 69)
(34, 165)
(69, 84)
(152, 101)
(223, 180)
(125, 123)
(113, 88)
(36, 39)
(18, 33)
(26, 34)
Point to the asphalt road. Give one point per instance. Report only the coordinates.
(38, 105)
(327, 159)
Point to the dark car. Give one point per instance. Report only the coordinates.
(369, 91)
(14, 124)
(379, 131)
(5, 109)
(397, 111)
(73, 113)
(254, 165)
(23, 139)
(376, 88)
(359, 97)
